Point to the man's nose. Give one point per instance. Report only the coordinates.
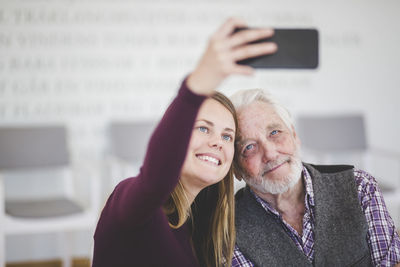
(269, 151)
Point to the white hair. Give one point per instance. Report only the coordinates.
(244, 98)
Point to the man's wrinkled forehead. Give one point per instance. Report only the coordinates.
(256, 115)
(257, 119)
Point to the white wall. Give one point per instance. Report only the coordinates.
(87, 62)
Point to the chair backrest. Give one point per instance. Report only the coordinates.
(128, 140)
(35, 157)
(332, 133)
(334, 139)
(128, 144)
(31, 147)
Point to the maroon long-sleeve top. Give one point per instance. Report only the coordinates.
(133, 230)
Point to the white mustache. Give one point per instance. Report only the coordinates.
(274, 163)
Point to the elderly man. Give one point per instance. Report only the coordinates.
(297, 214)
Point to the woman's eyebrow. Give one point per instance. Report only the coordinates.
(212, 124)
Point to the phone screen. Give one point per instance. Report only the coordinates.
(297, 49)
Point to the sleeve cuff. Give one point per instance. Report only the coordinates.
(190, 96)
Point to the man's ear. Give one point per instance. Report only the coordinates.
(237, 172)
(238, 177)
(296, 137)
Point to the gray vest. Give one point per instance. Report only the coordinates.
(340, 226)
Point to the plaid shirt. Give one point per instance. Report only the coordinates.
(383, 241)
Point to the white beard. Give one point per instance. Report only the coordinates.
(264, 185)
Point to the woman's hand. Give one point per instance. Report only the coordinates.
(223, 51)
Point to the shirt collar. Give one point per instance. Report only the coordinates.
(309, 187)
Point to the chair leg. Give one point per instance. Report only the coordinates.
(2, 231)
(66, 249)
(2, 250)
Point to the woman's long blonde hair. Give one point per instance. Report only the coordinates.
(212, 213)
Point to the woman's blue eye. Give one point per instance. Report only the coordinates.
(227, 137)
(203, 129)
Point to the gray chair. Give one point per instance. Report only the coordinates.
(333, 139)
(333, 133)
(31, 153)
(128, 142)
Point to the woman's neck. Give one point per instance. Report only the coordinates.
(190, 190)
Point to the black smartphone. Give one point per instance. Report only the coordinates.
(297, 49)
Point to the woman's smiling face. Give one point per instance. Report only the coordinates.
(211, 149)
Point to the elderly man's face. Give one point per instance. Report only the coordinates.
(267, 150)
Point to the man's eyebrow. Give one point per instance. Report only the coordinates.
(212, 124)
(273, 126)
(241, 141)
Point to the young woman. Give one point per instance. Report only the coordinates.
(179, 210)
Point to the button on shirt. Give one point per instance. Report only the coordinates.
(383, 240)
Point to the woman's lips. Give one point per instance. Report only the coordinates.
(209, 158)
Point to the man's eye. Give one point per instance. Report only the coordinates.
(249, 150)
(227, 137)
(203, 129)
(249, 147)
(274, 132)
